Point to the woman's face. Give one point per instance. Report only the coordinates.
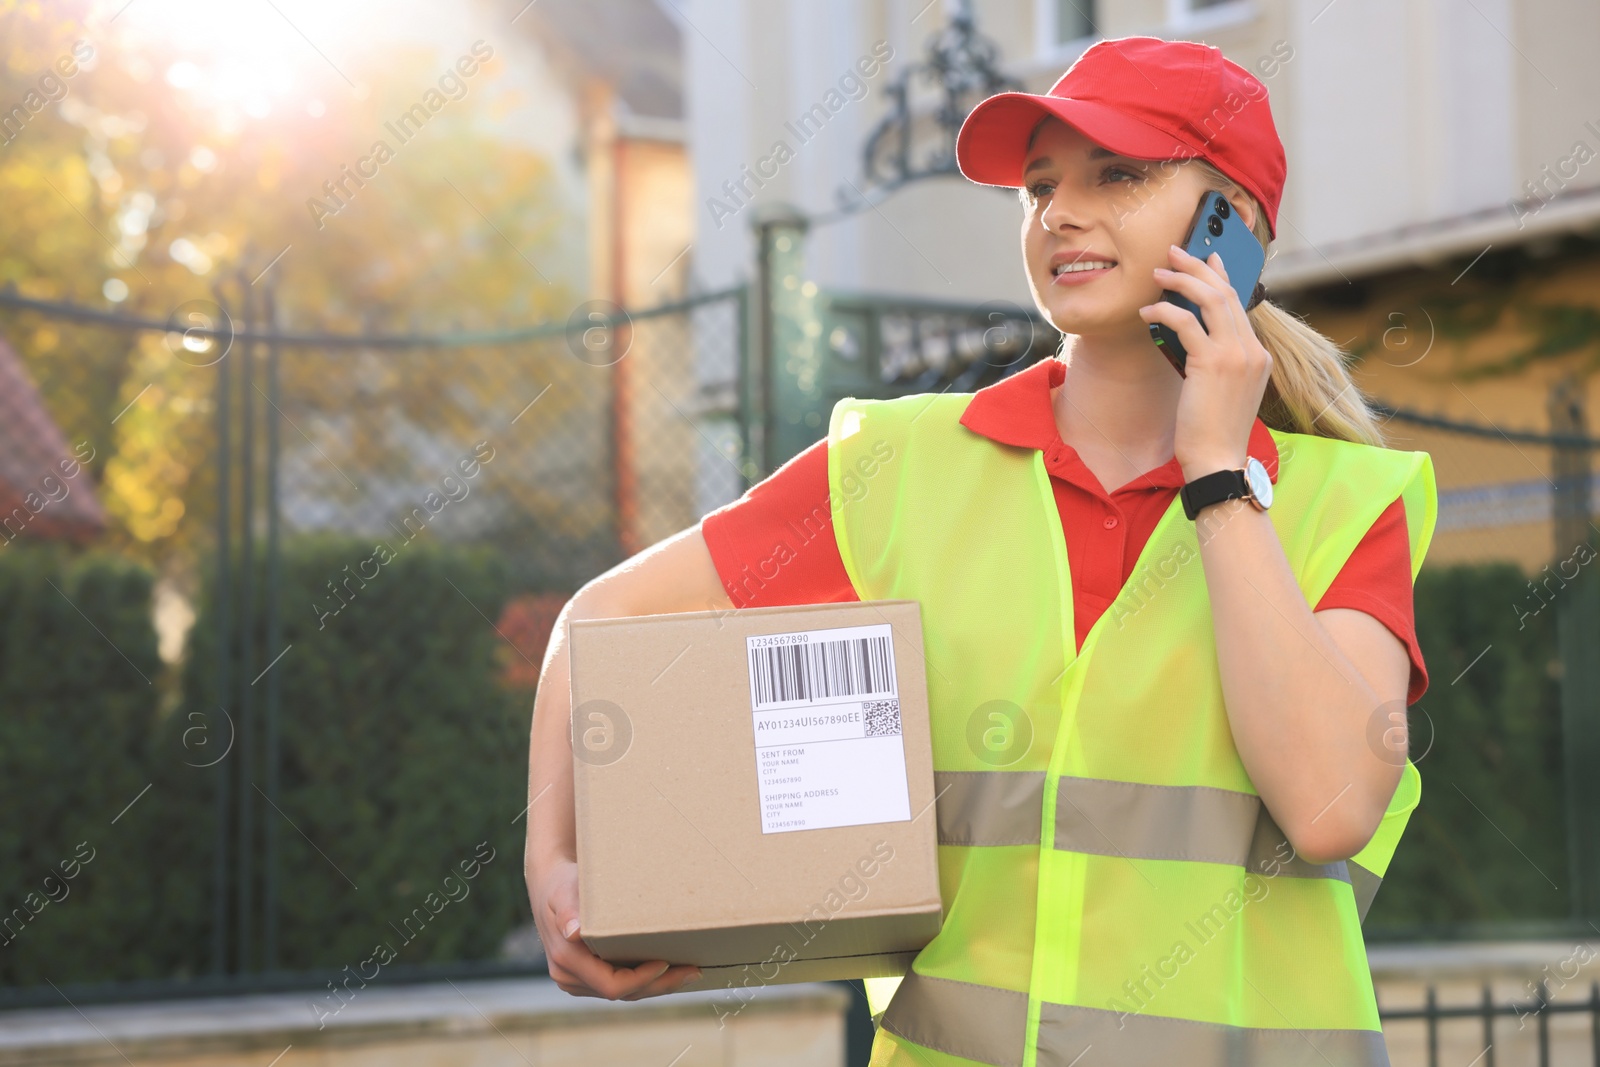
(1087, 205)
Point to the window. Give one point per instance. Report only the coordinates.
(1074, 19)
(1065, 27)
(1198, 16)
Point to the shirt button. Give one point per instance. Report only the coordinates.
(1111, 522)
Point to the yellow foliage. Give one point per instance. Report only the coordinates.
(459, 225)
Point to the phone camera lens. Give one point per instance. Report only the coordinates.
(1221, 207)
(1214, 224)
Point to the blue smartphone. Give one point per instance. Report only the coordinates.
(1216, 227)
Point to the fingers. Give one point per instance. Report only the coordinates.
(1257, 358)
(563, 907)
(1236, 311)
(578, 971)
(575, 969)
(1205, 283)
(1214, 261)
(1209, 268)
(573, 965)
(648, 979)
(669, 981)
(1182, 320)
(1200, 281)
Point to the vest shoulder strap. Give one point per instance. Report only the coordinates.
(895, 418)
(870, 443)
(1347, 479)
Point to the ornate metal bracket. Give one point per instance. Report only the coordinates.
(962, 65)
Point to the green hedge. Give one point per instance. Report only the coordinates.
(402, 759)
(1488, 838)
(79, 680)
(400, 755)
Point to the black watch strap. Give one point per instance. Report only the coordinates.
(1212, 489)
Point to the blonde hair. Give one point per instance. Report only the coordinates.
(1310, 390)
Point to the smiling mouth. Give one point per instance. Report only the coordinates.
(1088, 266)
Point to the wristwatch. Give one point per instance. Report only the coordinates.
(1250, 482)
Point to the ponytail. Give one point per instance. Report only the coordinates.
(1310, 390)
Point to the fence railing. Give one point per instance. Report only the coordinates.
(1541, 1008)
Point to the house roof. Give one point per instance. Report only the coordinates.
(630, 44)
(37, 494)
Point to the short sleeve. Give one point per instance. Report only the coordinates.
(774, 545)
(1376, 579)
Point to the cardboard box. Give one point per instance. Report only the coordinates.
(754, 791)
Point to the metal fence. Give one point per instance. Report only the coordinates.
(594, 438)
(560, 449)
(1493, 1043)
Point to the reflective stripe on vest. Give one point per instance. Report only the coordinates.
(977, 808)
(1069, 1035)
(1115, 861)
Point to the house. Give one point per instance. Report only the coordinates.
(46, 492)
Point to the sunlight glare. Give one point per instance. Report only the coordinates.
(252, 58)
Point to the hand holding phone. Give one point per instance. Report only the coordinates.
(1216, 227)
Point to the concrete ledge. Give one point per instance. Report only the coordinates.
(1482, 959)
(519, 1021)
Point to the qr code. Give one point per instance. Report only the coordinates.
(881, 717)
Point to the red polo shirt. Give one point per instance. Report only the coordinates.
(775, 545)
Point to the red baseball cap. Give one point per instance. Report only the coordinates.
(1143, 97)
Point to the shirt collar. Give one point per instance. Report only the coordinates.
(1016, 411)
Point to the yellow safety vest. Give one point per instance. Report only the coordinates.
(1114, 890)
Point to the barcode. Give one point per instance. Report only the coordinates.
(813, 671)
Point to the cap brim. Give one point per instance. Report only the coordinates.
(993, 141)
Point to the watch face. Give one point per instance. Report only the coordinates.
(1260, 482)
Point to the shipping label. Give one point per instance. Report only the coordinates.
(825, 706)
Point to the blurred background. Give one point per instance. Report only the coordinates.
(341, 343)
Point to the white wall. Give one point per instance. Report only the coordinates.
(1403, 114)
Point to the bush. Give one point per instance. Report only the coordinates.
(400, 754)
(78, 701)
(1488, 838)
